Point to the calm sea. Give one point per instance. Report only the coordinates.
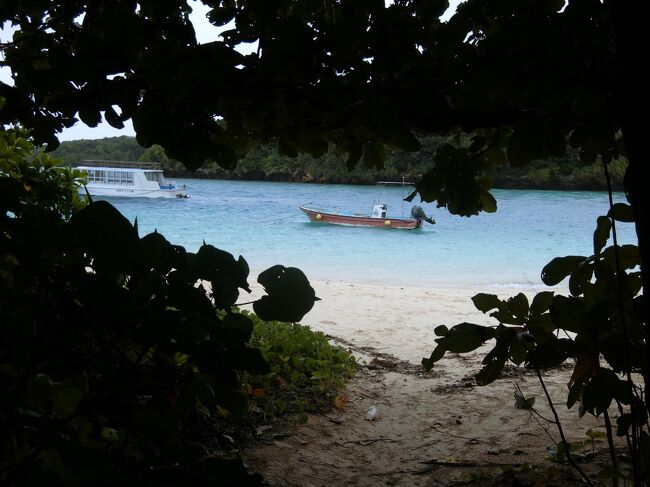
(262, 222)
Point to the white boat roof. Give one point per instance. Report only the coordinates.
(120, 165)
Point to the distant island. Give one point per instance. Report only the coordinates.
(265, 163)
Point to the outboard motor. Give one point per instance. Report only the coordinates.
(418, 213)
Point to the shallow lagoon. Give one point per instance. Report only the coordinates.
(262, 222)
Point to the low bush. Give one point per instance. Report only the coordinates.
(306, 370)
(114, 364)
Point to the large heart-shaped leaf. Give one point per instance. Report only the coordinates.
(289, 294)
(559, 268)
(110, 236)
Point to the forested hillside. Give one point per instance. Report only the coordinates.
(111, 148)
(265, 163)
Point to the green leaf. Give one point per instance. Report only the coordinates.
(506, 317)
(624, 423)
(217, 265)
(628, 256)
(441, 330)
(596, 435)
(492, 369)
(465, 337)
(518, 305)
(602, 389)
(250, 360)
(580, 277)
(153, 251)
(601, 234)
(551, 353)
(289, 298)
(559, 268)
(220, 16)
(541, 303)
(110, 434)
(621, 212)
(109, 235)
(518, 352)
(569, 313)
(66, 398)
(113, 118)
(543, 322)
(486, 302)
(494, 361)
(90, 116)
(575, 393)
(488, 202)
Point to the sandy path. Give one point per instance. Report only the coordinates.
(422, 417)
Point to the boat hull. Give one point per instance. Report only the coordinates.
(96, 190)
(360, 221)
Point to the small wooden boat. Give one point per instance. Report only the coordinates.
(378, 218)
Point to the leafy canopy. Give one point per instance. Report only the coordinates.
(525, 77)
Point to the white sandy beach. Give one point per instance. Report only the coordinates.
(397, 320)
(394, 320)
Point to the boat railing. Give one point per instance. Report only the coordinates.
(383, 184)
(120, 164)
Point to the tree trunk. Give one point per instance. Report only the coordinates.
(633, 53)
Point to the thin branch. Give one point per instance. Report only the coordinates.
(612, 447)
(634, 453)
(627, 434)
(567, 448)
(537, 416)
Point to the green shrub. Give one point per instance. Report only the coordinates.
(306, 370)
(113, 362)
(540, 175)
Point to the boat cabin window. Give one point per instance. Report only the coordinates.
(119, 177)
(154, 176)
(96, 176)
(110, 177)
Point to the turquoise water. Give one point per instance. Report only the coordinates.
(262, 222)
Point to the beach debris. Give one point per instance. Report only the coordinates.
(522, 402)
(259, 431)
(497, 451)
(371, 414)
(340, 402)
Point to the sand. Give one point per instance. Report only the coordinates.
(430, 428)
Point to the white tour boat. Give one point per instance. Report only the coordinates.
(132, 179)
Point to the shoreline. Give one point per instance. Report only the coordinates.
(394, 320)
(510, 183)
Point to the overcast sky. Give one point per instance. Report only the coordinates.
(205, 32)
